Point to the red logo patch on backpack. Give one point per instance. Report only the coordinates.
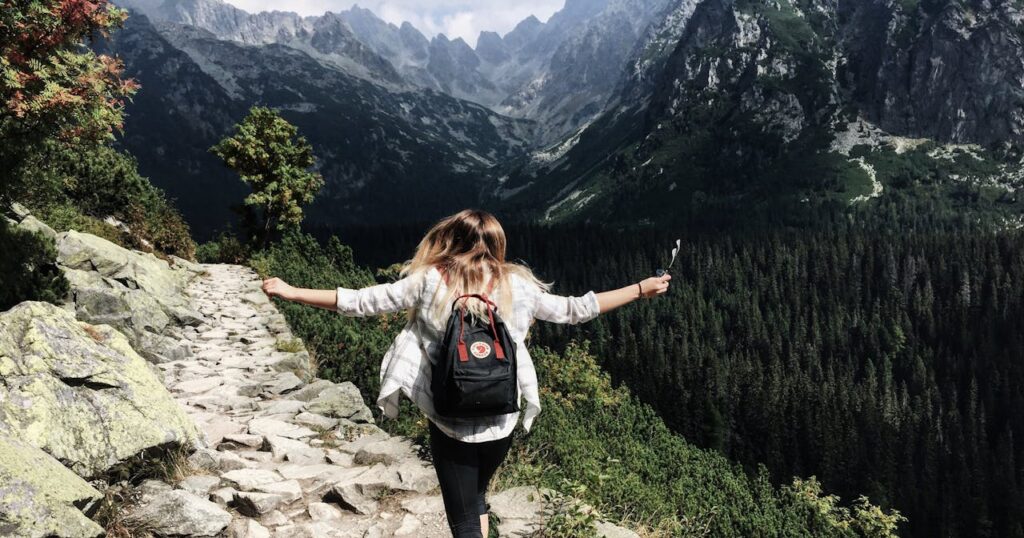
(480, 349)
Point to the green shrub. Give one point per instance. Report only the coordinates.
(28, 270)
(226, 248)
(566, 516)
(64, 217)
(76, 186)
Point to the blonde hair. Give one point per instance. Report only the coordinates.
(469, 247)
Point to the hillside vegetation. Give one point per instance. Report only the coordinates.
(592, 439)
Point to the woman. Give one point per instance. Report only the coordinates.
(463, 253)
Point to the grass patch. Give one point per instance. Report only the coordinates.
(113, 510)
(293, 345)
(167, 463)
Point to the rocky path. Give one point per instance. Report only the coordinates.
(287, 457)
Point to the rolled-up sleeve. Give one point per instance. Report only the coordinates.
(561, 309)
(381, 298)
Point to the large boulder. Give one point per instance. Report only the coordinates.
(134, 292)
(39, 496)
(175, 512)
(135, 270)
(35, 225)
(341, 401)
(80, 392)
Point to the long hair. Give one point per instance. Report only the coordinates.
(469, 249)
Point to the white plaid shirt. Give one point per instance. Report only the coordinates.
(407, 364)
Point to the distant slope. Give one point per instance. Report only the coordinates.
(734, 107)
(559, 73)
(386, 155)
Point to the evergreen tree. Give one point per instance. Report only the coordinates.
(275, 161)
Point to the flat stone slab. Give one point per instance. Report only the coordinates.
(179, 512)
(254, 504)
(288, 490)
(197, 386)
(314, 420)
(294, 451)
(247, 479)
(270, 427)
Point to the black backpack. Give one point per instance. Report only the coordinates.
(475, 373)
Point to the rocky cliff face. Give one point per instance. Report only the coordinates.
(558, 73)
(636, 103)
(378, 148)
(952, 71)
(729, 103)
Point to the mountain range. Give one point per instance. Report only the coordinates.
(612, 110)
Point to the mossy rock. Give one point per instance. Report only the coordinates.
(40, 497)
(80, 392)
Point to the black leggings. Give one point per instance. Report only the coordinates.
(463, 470)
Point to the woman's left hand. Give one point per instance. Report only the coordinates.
(275, 287)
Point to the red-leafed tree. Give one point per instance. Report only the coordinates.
(52, 87)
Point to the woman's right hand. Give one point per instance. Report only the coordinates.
(655, 285)
(275, 287)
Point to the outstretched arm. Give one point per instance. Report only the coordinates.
(649, 287)
(368, 301)
(275, 287)
(562, 309)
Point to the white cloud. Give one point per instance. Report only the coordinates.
(454, 18)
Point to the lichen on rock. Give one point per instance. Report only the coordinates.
(39, 496)
(80, 392)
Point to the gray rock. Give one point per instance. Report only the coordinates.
(323, 511)
(274, 519)
(311, 390)
(338, 457)
(132, 311)
(314, 420)
(124, 269)
(192, 267)
(247, 479)
(426, 504)
(353, 497)
(298, 363)
(409, 526)
(200, 484)
(247, 528)
(341, 401)
(294, 451)
(608, 530)
(41, 497)
(223, 496)
(388, 451)
(518, 509)
(35, 225)
(214, 461)
(279, 407)
(272, 427)
(80, 392)
(179, 512)
(289, 490)
(159, 349)
(316, 529)
(20, 211)
(244, 439)
(411, 475)
(254, 504)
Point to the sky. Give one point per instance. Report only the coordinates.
(454, 18)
